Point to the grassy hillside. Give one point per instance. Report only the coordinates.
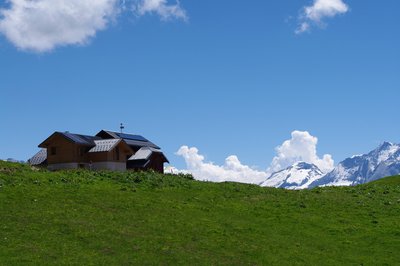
(104, 218)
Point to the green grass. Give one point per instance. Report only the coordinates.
(106, 218)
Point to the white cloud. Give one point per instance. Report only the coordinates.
(301, 147)
(162, 8)
(320, 9)
(42, 25)
(232, 170)
(173, 170)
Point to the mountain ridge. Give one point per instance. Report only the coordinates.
(358, 169)
(378, 163)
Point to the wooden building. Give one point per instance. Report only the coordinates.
(107, 150)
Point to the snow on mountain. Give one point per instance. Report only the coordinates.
(298, 176)
(358, 169)
(381, 162)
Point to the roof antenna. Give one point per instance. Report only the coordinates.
(121, 127)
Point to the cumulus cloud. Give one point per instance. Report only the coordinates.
(162, 8)
(319, 10)
(231, 170)
(301, 147)
(42, 25)
(173, 170)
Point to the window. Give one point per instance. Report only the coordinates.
(53, 150)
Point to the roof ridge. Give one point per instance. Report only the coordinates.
(119, 132)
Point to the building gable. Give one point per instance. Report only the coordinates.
(74, 138)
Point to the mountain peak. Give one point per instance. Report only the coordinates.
(385, 145)
(304, 165)
(381, 162)
(296, 176)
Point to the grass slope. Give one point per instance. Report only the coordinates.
(103, 218)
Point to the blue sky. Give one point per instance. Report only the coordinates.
(226, 77)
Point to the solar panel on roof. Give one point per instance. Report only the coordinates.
(131, 137)
(75, 138)
(140, 143)
(88, 138)
(81, 139)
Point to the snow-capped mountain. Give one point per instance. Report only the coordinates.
(298, 176)
(359, 169)
(381, 162)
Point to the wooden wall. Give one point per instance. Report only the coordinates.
(66, 151)
(156, 163)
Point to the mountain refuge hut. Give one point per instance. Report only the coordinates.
(107, 150)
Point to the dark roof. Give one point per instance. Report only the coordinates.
(39, 158)
(141, 144)
(105, 134)
(81, 139)
(130, 139)
(76, 138)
